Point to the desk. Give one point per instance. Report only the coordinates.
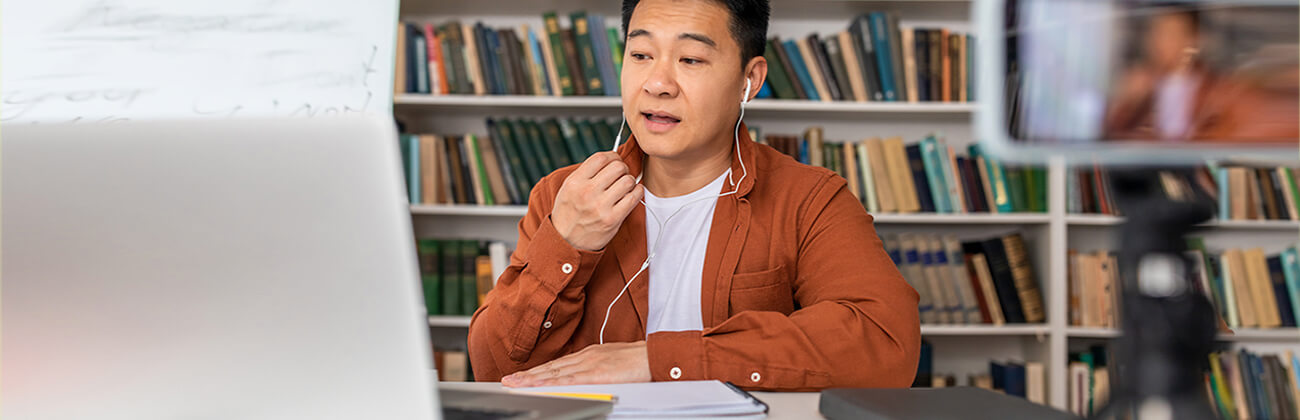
(781, 405)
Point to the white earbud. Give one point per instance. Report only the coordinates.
(744, 99)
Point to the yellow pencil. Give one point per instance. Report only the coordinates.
(585, 396)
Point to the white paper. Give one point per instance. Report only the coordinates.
(669, 399)
(114, 60)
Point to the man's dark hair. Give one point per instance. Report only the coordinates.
(748, 24)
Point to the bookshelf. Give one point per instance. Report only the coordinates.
(959, 349)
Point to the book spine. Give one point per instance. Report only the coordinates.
(604, 55)
(788, 66)
(866, 49)
(1003, 281)
(511, 186)
(884, 56)
(586, 53)
(468, 277)
(832, 49)
(450, 270)
(868, 180)
(824, 67)
(552, 23)
(484, 186)
(427, 252)
(934, 175)
(1031, 299)
(920, 179)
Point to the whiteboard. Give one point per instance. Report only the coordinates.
(116, 60)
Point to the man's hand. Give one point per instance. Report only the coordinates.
(594, 200)
(597, 364)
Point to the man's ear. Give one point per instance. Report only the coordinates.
(756, 72)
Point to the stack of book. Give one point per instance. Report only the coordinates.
(501, 168)
(1245, 385)
(456, 275)
(452, 365)
(1022, 379)
(1249, 289)
(986, 281)
(874, 59)
(1242, 192)
(1089, 380)
(584, 58)
(889, 176)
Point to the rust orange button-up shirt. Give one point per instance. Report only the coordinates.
(797, 291)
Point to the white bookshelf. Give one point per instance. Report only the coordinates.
(959, 349)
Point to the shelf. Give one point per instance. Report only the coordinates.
(1106, 220)
(468, 210)
(963, 218)
(495, 102)
(1282, 335)
(984, 330)
(881, 218)
(449, 321)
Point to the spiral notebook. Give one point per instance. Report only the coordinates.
(672, 399)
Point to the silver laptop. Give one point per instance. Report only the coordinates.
(230, 269)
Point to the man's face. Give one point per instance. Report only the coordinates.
(682, 78)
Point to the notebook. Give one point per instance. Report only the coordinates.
(672, 399)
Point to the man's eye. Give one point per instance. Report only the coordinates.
(637, 56)
(691, 61)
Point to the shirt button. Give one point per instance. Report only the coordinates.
(546, 324)
(675, 373)
(566, 268)
(755, 377)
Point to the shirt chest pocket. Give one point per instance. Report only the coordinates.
(767, 290)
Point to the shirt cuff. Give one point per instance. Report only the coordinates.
(676, 356)
(557, 263)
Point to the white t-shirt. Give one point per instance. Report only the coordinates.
(678, 265)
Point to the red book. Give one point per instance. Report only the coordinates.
(436, 62)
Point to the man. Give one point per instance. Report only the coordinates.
(765, 272)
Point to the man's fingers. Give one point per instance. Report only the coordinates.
(621, 187)
(594, 164)
(608, 175)
(629, 201)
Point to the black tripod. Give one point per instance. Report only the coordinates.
(1168, 328)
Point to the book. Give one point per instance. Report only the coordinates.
(478, 175)
(914, 275)
(868, 179)
(399, 62)
(884, 57)
(573, 60)
(494, 173)
(604, 55)
(586, 53)
(921, 46)
(1261, 287)
(900, 175)
(934, 173)
(853, 65)
(896, 55)
(831, 47)
(558, 59)
(428, 252)
(880, 176)
(1031, 300)
(468, 257)
(908, 42)
(920, 178)
(860, 29)
(1003, 280)
(428, 170)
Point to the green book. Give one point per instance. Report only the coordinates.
(1016, 188)
(586, 53)
(572, 143)
(552, 24)
(468, 277)
(776, 75)
(604, 133)
(519, 174)
(527, 153)
(932, 161)
(450, 274)
(1290, 183)
(588, 136)
(1040, 183)
(534, 136)
(1031, 189)
(476, 157)
(430, 278)
(554, 143)
(616, 50)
